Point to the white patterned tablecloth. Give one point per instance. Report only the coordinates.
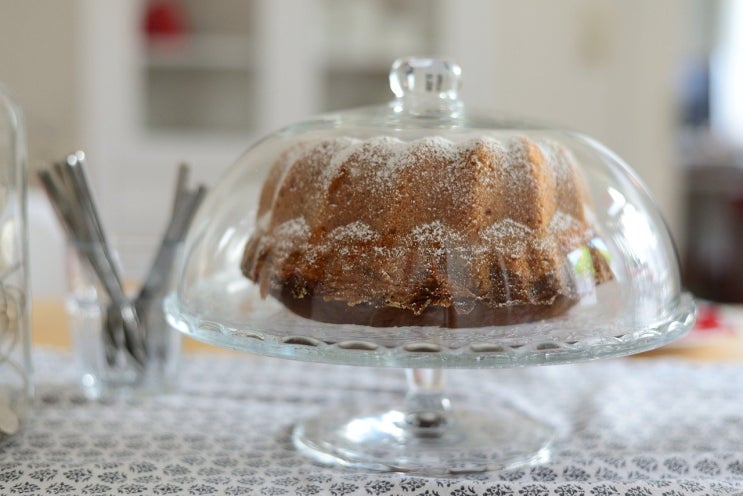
(631, 427)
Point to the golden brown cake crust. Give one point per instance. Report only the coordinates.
(383, 232)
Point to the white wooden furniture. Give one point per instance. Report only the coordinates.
(605, 68)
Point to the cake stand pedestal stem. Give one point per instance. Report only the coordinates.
(427, 409)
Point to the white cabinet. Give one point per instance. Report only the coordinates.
(247, 67)
(241, 69)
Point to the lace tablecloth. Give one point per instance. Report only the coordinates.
(631, 427)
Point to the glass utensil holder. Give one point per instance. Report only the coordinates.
(106, 367)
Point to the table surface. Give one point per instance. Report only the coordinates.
(669, 424)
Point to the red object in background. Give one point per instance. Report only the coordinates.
(708, 318)
(711, 323)
(164, 18)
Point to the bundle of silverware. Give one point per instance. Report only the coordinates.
(125, 324)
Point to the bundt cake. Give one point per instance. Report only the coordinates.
(383, 232)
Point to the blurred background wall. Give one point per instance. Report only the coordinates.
(142, 85)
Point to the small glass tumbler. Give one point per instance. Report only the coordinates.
(16, 387)
(107, 366)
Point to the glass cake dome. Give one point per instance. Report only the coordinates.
(425, 233)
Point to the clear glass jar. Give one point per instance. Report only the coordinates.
(15, 341)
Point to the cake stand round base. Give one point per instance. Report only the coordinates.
(456, 442)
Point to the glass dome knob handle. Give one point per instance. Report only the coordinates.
(425, 77)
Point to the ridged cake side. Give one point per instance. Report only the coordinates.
(429, 232)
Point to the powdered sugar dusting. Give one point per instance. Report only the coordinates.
(508, 236)
(294, 228)
(434, 232)
(500, 167)
(562, 222)
(560, 159)
(291, 234)
(387, 156)
(355, 231)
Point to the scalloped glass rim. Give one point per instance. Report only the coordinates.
(430, 347)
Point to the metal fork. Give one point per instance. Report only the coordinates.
(70, 194)
(185, 204)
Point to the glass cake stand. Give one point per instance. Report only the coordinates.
(424, 433)
(422, 201)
